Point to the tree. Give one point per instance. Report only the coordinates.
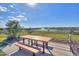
(71, 41)
(30, 30)
(13, 27)
(70, 34)
(72, 30)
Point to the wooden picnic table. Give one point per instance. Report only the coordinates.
(43, 39)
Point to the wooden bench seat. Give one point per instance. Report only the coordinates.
(29, 48)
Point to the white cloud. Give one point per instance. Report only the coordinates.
(2, 23)
(3, 9)
(0, 17)
(31, 4)
(18, 18)
(12, 6)
(24, 18)
(14, 18)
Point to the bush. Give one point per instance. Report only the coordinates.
(76, 33)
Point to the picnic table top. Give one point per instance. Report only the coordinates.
(38, 38)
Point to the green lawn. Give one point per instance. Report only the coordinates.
(56, 35)
(75, 38)
(2, 53)
(51, 34)
(2, 37)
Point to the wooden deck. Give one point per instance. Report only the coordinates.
(55, 49)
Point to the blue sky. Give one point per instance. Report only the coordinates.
(40, 15)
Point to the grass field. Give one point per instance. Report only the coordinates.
(2, 53)
(57, 35)
(2, 37)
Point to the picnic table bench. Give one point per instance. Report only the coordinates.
(36, 38)
(26, 47)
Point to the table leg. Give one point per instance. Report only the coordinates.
(47, 45)
(43, 48)
(19, 48)
(23, 41)
(36, 43)
(33, 54)
(28, 42)
(31, 42)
